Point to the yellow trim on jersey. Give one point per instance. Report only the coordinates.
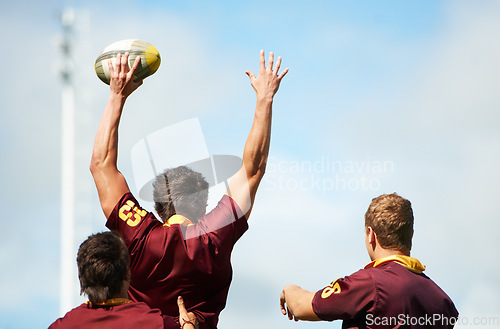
(332, 288)
(112, 302)
(408, 262)
(178, 219)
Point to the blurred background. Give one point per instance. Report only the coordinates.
(381, 97)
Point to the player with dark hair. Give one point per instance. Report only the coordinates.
(103, 267)
(390, 292)
(180, 191)
(189, 254)
(104, 273)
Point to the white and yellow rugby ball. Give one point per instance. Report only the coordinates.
(150, 58)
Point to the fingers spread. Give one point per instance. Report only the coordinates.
(250, 74)
(285, 71)
(262, 61)
(270, 62)
(136, 64)
(118, 61)
(124, 60)
(278, 64)
(111, 67)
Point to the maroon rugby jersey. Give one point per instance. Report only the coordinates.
(174, 260)
(127, 316)
(388, 293)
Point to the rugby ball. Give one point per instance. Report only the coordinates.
(150, 58)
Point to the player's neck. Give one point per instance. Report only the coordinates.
(382, 253)
(124, 290)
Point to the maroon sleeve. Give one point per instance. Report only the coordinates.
(130, 219)
(345, 298)
(222, 224)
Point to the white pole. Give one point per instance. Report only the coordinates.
(68, 264)
(68, 256)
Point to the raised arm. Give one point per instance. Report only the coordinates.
(110, 183)
(297, 303)
(245, 182)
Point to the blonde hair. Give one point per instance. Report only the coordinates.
(391, 218)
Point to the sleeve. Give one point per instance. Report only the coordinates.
(222, 225)
(130, 219)
(345, 298)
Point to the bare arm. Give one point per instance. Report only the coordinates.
(110, 183)
(245, 182)
(297, 302)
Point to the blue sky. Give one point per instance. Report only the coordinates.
(411, 85)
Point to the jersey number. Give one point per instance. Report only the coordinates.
(131, 214)
(332, 288)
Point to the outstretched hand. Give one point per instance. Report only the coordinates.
(297, 303)
(267, 83)
(186, 320)
(284, 308)
(121, 77)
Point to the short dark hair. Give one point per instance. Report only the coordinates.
(180, 191)
(103, 263)
(391, 218)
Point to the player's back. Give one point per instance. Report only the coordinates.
(171, 259)
(124, 316)
(408, 298)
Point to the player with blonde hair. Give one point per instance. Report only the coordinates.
(390, 292)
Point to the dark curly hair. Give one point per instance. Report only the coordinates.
(180, 191)
(103, 263)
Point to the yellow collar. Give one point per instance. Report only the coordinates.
(408, 262)
(111, 302)
(178, 219)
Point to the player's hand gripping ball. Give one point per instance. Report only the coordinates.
(150, 58)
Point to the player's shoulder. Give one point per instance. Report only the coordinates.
(129, 204)
(361, 279)
(128, 214)
(70, 318)
(126, 197)
(229, 203)
(364, 273)
(385, 272)
(138, 314)
(141, 307)
(127, 200)
(226, 205)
